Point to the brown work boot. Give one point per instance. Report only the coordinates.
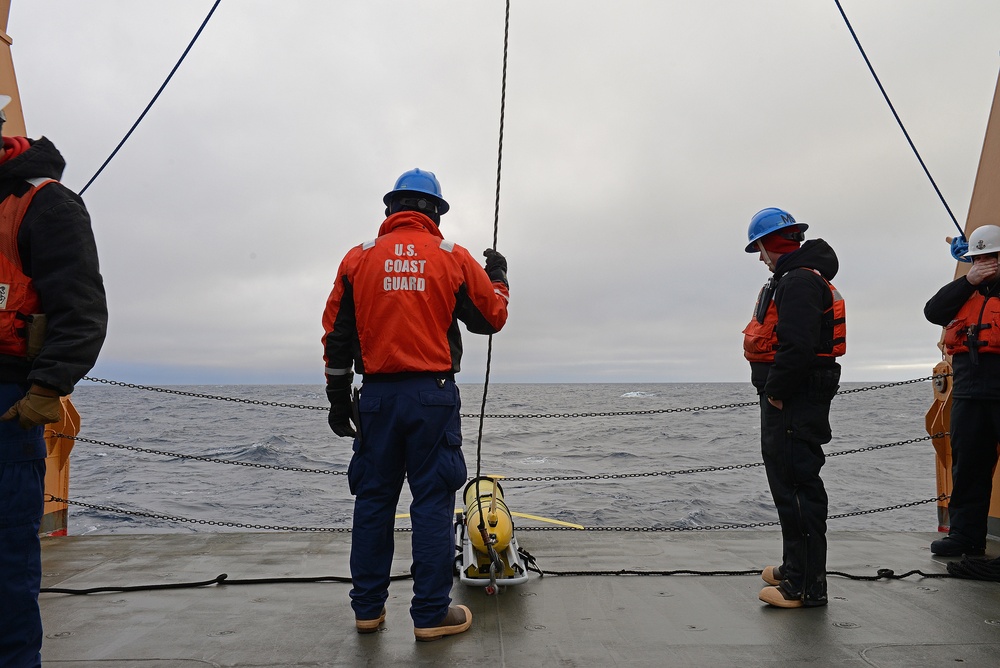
(458, 620)
(779, 598)
(772, 575)
(369, 625)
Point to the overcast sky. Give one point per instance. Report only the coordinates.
(640, 138)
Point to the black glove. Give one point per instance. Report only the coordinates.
(340, 419)
(496, 266)
(338, 391)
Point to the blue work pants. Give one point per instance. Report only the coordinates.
(22, 488)
(409, 428)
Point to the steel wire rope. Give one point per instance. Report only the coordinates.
(898, 120)
(155, 97)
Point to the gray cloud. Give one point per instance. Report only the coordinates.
(640, 137)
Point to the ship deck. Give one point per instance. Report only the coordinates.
(677, 620)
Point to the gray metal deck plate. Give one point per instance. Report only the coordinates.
(552, 621)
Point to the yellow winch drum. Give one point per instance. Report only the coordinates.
(484, 498)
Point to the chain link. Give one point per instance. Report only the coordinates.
(217, 397)
(704, 469)
(599, 476)
(200, 458)
(656, 411)
(188, 520)
(726, 527)
(529, 416)
(605, 476)
(657, 529)
(896, 384)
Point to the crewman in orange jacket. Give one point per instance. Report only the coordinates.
(393, 316)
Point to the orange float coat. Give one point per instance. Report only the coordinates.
(760, 338)
(398, 299)
(981, 315)
(19, 301)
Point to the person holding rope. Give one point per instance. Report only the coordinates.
(392, 317)
(969, 310)
(792, 342)
(53, 319)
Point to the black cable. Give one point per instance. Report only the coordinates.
(976, 569)
(881, 574)
(900, 122)
(222, 579)
(149, 106)
(496, 230)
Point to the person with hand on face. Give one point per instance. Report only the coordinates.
(792, 342)
(969, 309)
(393, 317)
(53, 319)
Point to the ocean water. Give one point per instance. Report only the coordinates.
(655, 450)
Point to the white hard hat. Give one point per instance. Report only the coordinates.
(984, 239)
(4, 101)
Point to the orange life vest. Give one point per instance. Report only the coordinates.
(19, 302)
(760, 338)
(976, 323)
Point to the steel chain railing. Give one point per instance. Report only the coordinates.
(197, 395)
(201, 458)
(656, 411)
(627, 529)
(188, 520)
(597, 476)
(604, 476)
(704, 469)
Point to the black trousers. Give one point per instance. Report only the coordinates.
(791, 440)
(975, 432)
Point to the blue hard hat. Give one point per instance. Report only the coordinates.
(419, 181)
(770, 220)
